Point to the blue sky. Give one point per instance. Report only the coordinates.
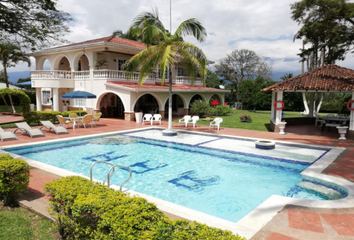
(265, 27)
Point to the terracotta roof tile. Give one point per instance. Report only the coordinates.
(175, 87)
(110, 39)
(326, 78)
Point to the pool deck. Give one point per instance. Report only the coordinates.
(290, 223)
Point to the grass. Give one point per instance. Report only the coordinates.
(3, 108)
(19, 223)
(260, 120)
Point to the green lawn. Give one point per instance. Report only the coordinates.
(19, 223)
(3, 108)
(260, 120)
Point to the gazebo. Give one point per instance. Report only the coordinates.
(328, 78)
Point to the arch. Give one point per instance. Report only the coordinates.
(195, 97)
(78, 56)
(181, 96)
(106, 101)
(56, 63)
(158, 100)
(177, 107)
(40, 63)
(24, 99)
(217, 97)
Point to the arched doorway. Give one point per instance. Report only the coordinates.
(216, 99)
(83, 63)
(147, 104)
(196, 97)
(64, 64)
(111, 106)
(177, 106)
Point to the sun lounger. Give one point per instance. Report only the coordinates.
(8, 135)
(57, 129)
(26, 129)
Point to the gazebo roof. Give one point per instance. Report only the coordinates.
(326, 78)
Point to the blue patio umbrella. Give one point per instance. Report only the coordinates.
(24, 84)
(78, 94)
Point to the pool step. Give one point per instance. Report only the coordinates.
(326, 191)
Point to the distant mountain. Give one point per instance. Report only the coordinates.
(276, 75)
(14, 76)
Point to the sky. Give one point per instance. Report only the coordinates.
(265, 27)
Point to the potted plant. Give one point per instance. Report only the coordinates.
(281, 126)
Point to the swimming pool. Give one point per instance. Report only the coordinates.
(220, 176)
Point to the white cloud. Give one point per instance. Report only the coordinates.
(234, 24)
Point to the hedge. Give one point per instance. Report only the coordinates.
(87, 210)
(14, 178)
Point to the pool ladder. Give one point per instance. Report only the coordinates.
(111, 172)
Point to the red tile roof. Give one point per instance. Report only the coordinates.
(326, 78)
(110, 39)
(175, 87)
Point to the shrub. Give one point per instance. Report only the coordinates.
(14, 178)
(245, 117)
(36, 116)
(222, 110)
(200, 108)
(87, 210)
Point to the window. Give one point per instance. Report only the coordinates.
(166, 74)
(120, 64)
(80, 102)
(46, 97)
(180, 71)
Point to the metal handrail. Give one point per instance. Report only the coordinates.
(111, 172)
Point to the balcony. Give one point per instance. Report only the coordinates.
(60, 78)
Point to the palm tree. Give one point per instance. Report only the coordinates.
(286, 76)
(165, 50)
(10, 55)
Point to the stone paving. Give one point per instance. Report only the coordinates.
(290, 223)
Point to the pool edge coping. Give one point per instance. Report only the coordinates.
(257, 218)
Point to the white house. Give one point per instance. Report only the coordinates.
(72, 68)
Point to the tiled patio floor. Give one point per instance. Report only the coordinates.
(290, 223)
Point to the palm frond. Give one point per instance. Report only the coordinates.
(192, 27)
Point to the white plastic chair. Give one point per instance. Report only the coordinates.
(193, 120)
(147, 118)
(156, 118)
(216, 123)
(185, 120)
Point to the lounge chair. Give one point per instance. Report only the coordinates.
(87, 119)
(193, 121)
(8, 135)
(96, 117)
(216, 123)
(26, 129)
(147, 118)
(57, 129)
(184, 120)
(156, 118)
(62, 121)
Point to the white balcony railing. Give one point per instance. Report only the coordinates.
(112, 75)
(55, 74)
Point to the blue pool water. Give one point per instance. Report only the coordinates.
(221, 183)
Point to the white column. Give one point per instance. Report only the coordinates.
(312, 104)
(272, 114)
(39, 99)
(55, 99)
(351, 123)
(279, 113)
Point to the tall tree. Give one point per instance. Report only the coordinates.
(241, 65)
(286, 76)
(212, 79)
(32, 23)
(165, 50)
(327, 25)
(10, 55)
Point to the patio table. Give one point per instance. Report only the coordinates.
(74, 120)
(334, 122)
